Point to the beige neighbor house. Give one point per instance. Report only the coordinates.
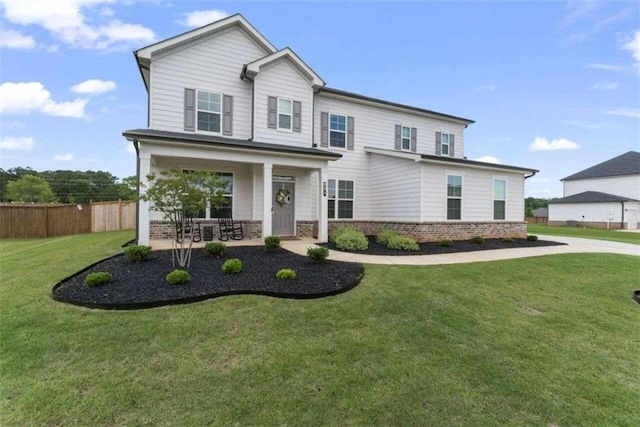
(302, 158)
(606, 195)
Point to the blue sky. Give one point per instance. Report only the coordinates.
(551, 85)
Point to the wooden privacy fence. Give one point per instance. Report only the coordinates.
(19, 221)
(536, 220)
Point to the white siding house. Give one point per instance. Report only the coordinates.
(223, 98)
(606, 195)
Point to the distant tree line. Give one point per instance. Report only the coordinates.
(533, 203)
(63, 186)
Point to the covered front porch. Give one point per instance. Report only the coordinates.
(272, 189)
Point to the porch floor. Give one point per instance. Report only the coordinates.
(166, 243)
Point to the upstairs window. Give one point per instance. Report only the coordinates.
(499, 199)
(284, 113)
(209, 111)
(454, 197)
(340, 195)
(406, 138)
(337, 131)
(445, 144)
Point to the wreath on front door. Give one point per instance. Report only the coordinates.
(283, 197)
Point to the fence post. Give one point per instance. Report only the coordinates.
(46, 222)
(119, 214)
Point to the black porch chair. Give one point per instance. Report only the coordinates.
(229, 229)
(187, 228)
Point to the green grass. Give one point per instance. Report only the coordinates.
(587, 233)
(540, 341)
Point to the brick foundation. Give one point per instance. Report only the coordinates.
(436, 231)
(163, 230)
(307, 229)
(612, 225)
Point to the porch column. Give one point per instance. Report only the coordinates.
(144, 234)
(323, 220)
(267, 181)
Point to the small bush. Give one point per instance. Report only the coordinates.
(339, 231)
(446, 243)
(98, 278)
(352, 240)
(478, 240)
(178, 277)
(532, 238)
(215, 249)
(383, 237)
(403, 243)
(286, 274)
(232, 266)
(318, 254)
(272, 243)
(508, 240)
(137, 253)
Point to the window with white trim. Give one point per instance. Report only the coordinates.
(340, 195)
(285, 113)
(337, 131)
(444, 147)
(406, 138)
(454, 197)
(226, 208)
(499, 199)
(209, 111)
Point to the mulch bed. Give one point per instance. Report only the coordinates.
(143, 285)
(434, 248)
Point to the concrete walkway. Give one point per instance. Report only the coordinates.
(574, 245)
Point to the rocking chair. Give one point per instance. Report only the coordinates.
(229, 229)
(191, 228)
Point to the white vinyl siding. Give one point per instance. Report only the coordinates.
(194, 66)
(396, 187)
(590, 212)
(624, 186)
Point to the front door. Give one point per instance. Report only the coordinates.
(283, 203)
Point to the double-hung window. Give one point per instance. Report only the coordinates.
(285, 111)
(340, 197)
(337, 131)
(454, 197)
(445, 144)
(225, 209)
(499, 199)
(209, 108)
(406, 138)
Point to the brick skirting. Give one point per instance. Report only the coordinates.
(163, 230)
(602, 224)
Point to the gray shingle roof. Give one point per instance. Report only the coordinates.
(625, 164)
(592, 197)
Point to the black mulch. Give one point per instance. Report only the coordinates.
(434, 248)
(143, 285)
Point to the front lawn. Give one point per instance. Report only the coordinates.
(587, 233)
(538, 341)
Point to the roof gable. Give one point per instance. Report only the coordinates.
(625, 164)
(286, 54)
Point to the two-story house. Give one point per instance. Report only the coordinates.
(302, 158)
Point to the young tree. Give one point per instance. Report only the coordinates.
(30, 189)
(179, 195)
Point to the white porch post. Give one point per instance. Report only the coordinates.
(323, 221)
(144, 233)
(267, 181)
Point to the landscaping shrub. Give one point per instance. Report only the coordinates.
(508, 240)
(178, 277)
(286, 274)
(98, 278)
(232, 266)
(137, 253)
(352, 240)
(478, 240)
(532, 238)
(215, 249)
(446, 243)
(339, 231)
(318, 254)
(403, 243)
(272, 243)
(382, 238)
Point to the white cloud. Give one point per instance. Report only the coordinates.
(543, 144)
(633, 46)
(198, 18)
(94, 86)
(23, 98)
(488, 159)
(605, 86)
(606, 67)
(63, 157)
(10, 39)
(486, 88)
(67, 20)
(20, 143)
(625, 112)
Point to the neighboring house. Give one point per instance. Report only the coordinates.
(606, 195)
(540, 213)
(223, 98)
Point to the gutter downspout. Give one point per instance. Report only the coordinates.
(135, 145)
(243, 76)
(533, 173)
